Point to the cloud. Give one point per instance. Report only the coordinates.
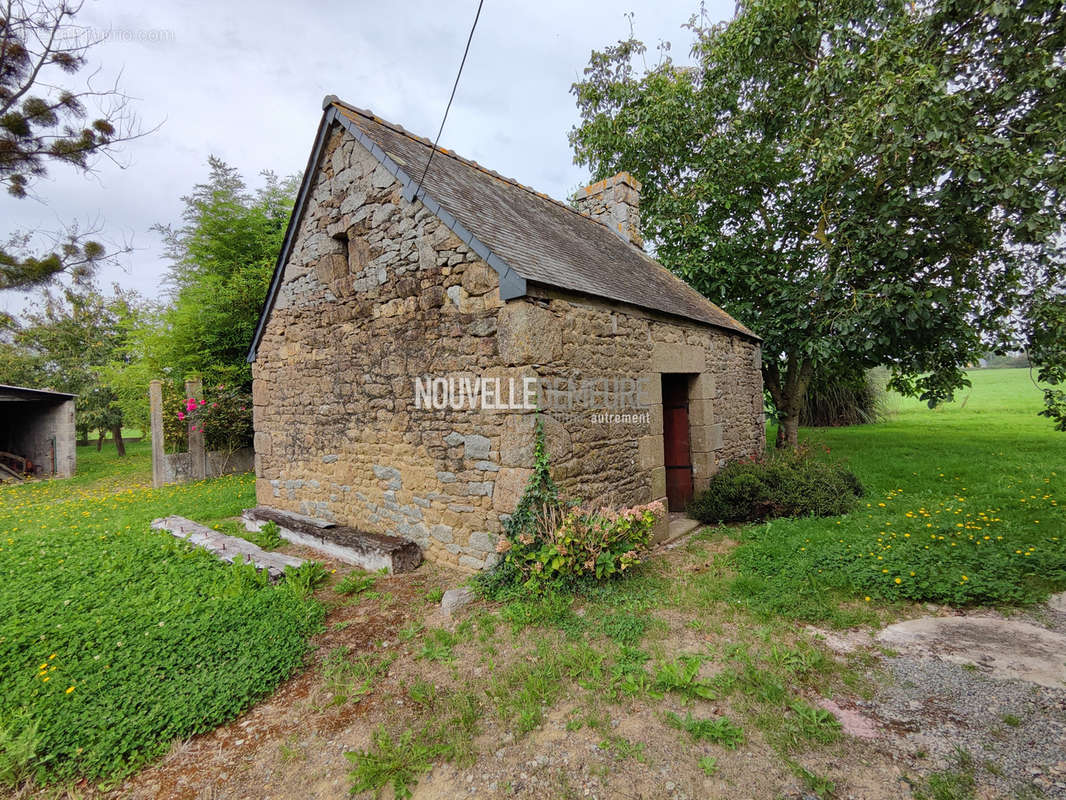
(244, 81)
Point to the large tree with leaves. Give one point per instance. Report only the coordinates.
(223, 254)
(863, 182)
(65, 342)
(45, 120)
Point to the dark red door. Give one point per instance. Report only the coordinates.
(675, 442)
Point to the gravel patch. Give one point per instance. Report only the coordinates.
(1015, 730)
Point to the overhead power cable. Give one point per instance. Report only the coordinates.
(455, 86)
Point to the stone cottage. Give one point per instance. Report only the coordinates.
(416, 326)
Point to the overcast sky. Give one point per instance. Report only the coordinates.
(245, 81)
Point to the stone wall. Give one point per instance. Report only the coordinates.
(178, 467)
(378, 293)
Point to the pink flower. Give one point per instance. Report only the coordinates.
(242, 408)
(203, 402)
(190, 404)
(214, 405)
(181, 415)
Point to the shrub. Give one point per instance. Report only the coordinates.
(585, 543)
(175, 428)
(224, 417)
(848, 397)
(789, 484)
(549, 541)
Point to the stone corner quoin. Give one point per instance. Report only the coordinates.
(378, 292)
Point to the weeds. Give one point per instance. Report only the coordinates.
(812, 724)
(410, 630)
(720, 730)
(708, 764)
(355, 583)
(290, 750)
(435, 595)
(957, 783)
(624, 628)
(401, 760)
(304, 579)
(681, 676)
(621, 748)
(18, 748)
(439, 645)
(422, 692)
(820, 785)
(351, 678)
(269, 536)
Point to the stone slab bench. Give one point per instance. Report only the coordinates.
(227, 548)
(371, 551)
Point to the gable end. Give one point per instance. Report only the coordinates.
(512, 284)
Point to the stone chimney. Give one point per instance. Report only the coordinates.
(615, 202)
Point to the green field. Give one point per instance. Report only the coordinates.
(115, 639)
(962, 506)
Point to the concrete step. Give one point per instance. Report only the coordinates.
(371, 551)
(681, 525)
(227, 548)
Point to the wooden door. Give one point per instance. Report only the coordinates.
(676, 441)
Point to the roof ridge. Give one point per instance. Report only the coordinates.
(394, 126)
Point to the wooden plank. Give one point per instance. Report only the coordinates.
(11, 474)
(371, 551)
(13, 457)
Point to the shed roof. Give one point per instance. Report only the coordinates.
(525, 235)
(23, 393)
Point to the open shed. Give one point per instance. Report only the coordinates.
(37, 434)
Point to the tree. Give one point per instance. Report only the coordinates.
(65, 343)
(863, 183)
(44, 121)
(223, 255)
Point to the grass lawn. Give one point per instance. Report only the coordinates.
(115, 639)
(962, 506)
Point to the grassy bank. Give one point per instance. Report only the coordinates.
(115, 639)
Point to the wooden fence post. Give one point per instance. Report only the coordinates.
(155, 401)
(197, 451)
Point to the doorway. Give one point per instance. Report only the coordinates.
(676, 449)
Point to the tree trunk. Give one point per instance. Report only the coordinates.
(788, 432)
(787, 392)
(100, 440)
(120, 445)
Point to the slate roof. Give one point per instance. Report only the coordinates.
(524, 234)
